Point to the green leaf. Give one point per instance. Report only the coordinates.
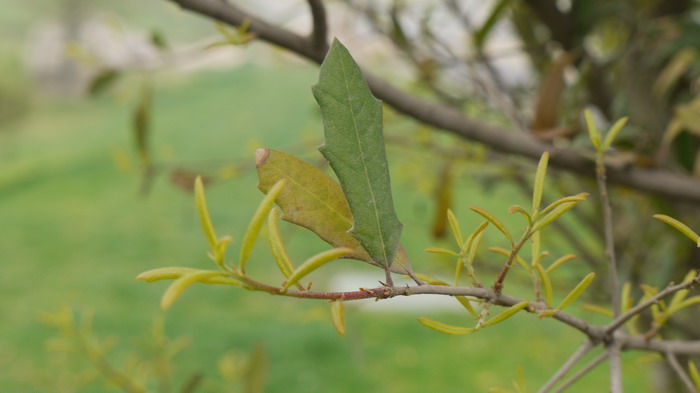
(577, 291)
(559, 262)
(593, 132)
(314, 263)
(279, 251)
(521, 210)
(454, 225)
(204, 218)
(694, 374)
(679, 296)
(444, 327)
(251, 234)
(555, 214)
(181, 284)
(354, 146)
(507, 313)
(467, 305)
(614, 130)
(338, 316)
(170, 273)
(572, 198)
(315, 201)
(495, 221)
(539, 182)
(684, 229)
(437, 250)
(546, 283)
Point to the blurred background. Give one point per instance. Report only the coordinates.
(108, 110)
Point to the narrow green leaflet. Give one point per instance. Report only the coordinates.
(315, 201)
(354, 146)
(444, 327)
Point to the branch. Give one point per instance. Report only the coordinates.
(615, 367)
(682, 375)
(619, 321)
(319, 33)
(661, 182)
(575, 357)
(585, 370)
(609, 245)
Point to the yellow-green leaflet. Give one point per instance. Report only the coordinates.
(614, 130)
(443, 327)
(169, 273)
(201, 201)
(279, 252)
(593, 132)
(559, 262)
(455, 227)
(507, 313)
(495, 221)
(338, 315)
(539, 182)
(256, 223)
(521, 210)
(437, 250)
(597, 309)
(314, 263)
(681, 295)
(467, 305)
(554, 214)
(684, 229)
(577, 291)
(181, 284)
(694, 374)
(546, 283)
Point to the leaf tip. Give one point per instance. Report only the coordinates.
(260, 157)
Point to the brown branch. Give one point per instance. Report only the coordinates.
(660, 182)
(609, 245)
(682, 375)
(319, 33)
(619, 321)
(575, 357)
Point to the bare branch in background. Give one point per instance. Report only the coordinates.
(580, 373)
(682, 375)
(658, 181)
(319, 33)
(571, 362)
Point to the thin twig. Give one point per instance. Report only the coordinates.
(609, 235)
(614, 284)
(680, 372)
(319, 32)
(573, 359)
(619, 321)
(580, 373)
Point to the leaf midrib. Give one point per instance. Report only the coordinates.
(364, 166)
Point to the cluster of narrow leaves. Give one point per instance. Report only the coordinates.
(535, 220)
